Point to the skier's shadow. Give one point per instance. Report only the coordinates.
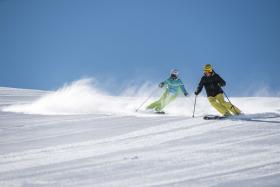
(261, 117)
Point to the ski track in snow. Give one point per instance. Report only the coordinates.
(141, 149)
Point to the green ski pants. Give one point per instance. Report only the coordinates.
(164, 100)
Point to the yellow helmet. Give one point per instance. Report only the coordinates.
(208, 68)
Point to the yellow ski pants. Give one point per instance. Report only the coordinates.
(164, 100)
(225, 108)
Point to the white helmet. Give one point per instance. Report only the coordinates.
(174, 72)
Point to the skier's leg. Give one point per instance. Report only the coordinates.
(153, 105)
(168, 99)
(157, 104)
(161, 102)
(220, 108)
(233, 109)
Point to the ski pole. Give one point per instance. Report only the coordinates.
(147, 99)
(232, 106)
(194, 105)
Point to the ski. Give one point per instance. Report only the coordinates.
(150, 112)
(161, 112)
(213, 117)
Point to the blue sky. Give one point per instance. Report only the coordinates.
(45, 43)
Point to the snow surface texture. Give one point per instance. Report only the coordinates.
(80, 136)
(82, 97)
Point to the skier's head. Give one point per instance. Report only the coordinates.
(208, 70)
(174, 73)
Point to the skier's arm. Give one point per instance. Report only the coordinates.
(162, 84)
(200, 86)
(221, 81)
(183, 88)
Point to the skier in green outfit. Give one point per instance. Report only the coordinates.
(173, 86)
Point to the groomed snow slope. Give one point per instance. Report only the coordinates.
(103, 142)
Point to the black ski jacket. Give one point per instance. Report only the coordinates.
(212, 85)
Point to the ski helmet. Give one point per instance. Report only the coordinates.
(174, 73)
(208, 68)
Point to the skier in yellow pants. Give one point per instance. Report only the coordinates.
(213, 83)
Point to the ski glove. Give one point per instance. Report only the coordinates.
(186, 94)
(196, 93)
(161, 84)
